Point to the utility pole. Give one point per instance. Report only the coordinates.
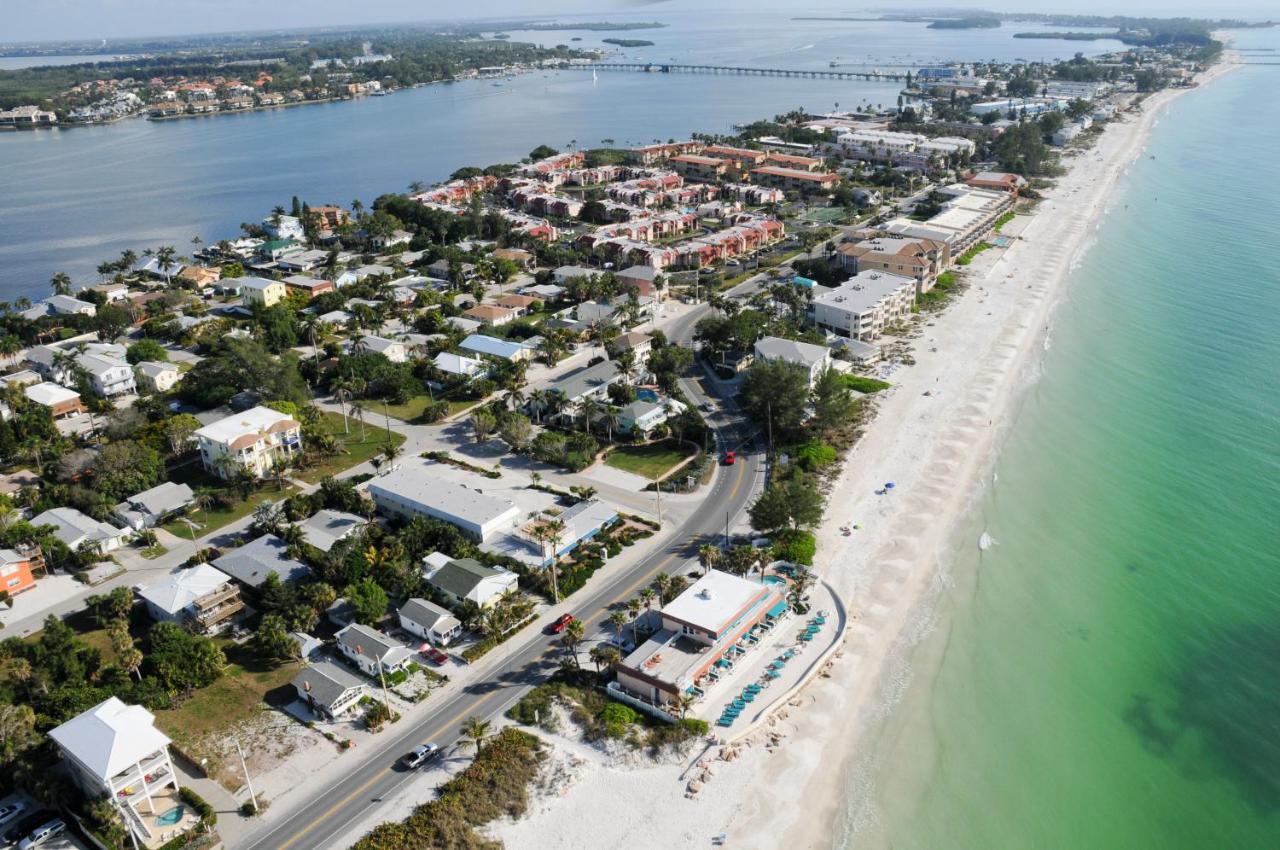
(726, 531)
(658, 485)
(386, 416)
(247, 781)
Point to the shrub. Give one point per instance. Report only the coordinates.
(862, 384)
(199, 804)
(814, 455)
(616, 718)
(797, 547)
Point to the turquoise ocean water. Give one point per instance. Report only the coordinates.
(1108, 675)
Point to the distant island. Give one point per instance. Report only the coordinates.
(593, 26)
(1068, 36)
(628, 42)
(970, 23)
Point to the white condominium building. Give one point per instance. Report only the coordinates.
(862, 306)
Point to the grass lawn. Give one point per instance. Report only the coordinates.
(215, 518)
(236, 696)
(152, 552)
(354, 449)
(650, 461)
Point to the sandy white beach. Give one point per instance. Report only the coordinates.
(939, 450)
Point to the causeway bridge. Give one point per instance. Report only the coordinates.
(673, 68)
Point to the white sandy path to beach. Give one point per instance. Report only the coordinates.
(938, 450)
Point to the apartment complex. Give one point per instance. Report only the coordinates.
(862, 306)
(922, 259)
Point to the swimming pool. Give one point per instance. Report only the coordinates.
(774, 580)
(171, 817)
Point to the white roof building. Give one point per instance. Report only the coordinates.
(76, 529)
(812, 358)
(862, 306)
(414, 490)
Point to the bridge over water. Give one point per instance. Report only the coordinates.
(673, 68)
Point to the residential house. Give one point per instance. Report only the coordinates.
(642, 416)
(356, 275)
(519, 256)
(587, 382)
(303, 261)
(467, 580)
(115, 752)
(413, 491)
(547, 293)
(429, 621)
(65, 305)
(152, 507)
(564, 274)
(392, 349)
(251, 563)
(304, 284)
(501, 349)
(326, 528)
(639, 344)
(328, 689)
(252, 440)
(491, 314)
(201, 277)
(201, 598)
(861, 307)
(18, 567)
(261, 291)
(813, 359)
(698, 628)
(284, 227)
(107, 375)
(371, 651)
(156, 376)
(456, 364)
(61, 401)
(643, 279)
(522, 304)
(112, 292)
(75, 529)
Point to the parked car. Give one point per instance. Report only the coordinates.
(12, 812)
(560, 624)
(42, 833)
(435, 656)
(23, 827)
(730, 457)
(420, 755)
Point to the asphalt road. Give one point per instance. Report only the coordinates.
(331, 811)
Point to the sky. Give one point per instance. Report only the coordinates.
(35, 20)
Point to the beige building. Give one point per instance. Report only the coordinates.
(251, 440)
(261, 292)
(862, 306)
(922, 259)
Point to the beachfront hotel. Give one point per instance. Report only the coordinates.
(700, 627)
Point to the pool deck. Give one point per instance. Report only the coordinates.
(163, 833)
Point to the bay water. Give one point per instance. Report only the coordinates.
(1107, 675)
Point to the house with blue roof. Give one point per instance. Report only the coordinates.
(490, 346)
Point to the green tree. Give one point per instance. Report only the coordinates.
(474, 731)
(775, 394)
(125, 468)
(368, 600)
(483, 424)
(272, 639)
(181, 660)
(516, 431)
(146, 349)
(833, 403)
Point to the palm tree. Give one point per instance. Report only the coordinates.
(611, 417)
(165, 254)
(474, 731)
(590, 409)
(662, 584)
(708, 556)
(391, 451)
(574, 633)
(538, 400)
(358, 409)
(634, 606)
(61, 283)
(342, 391)
(647, 596)
(618, 621)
